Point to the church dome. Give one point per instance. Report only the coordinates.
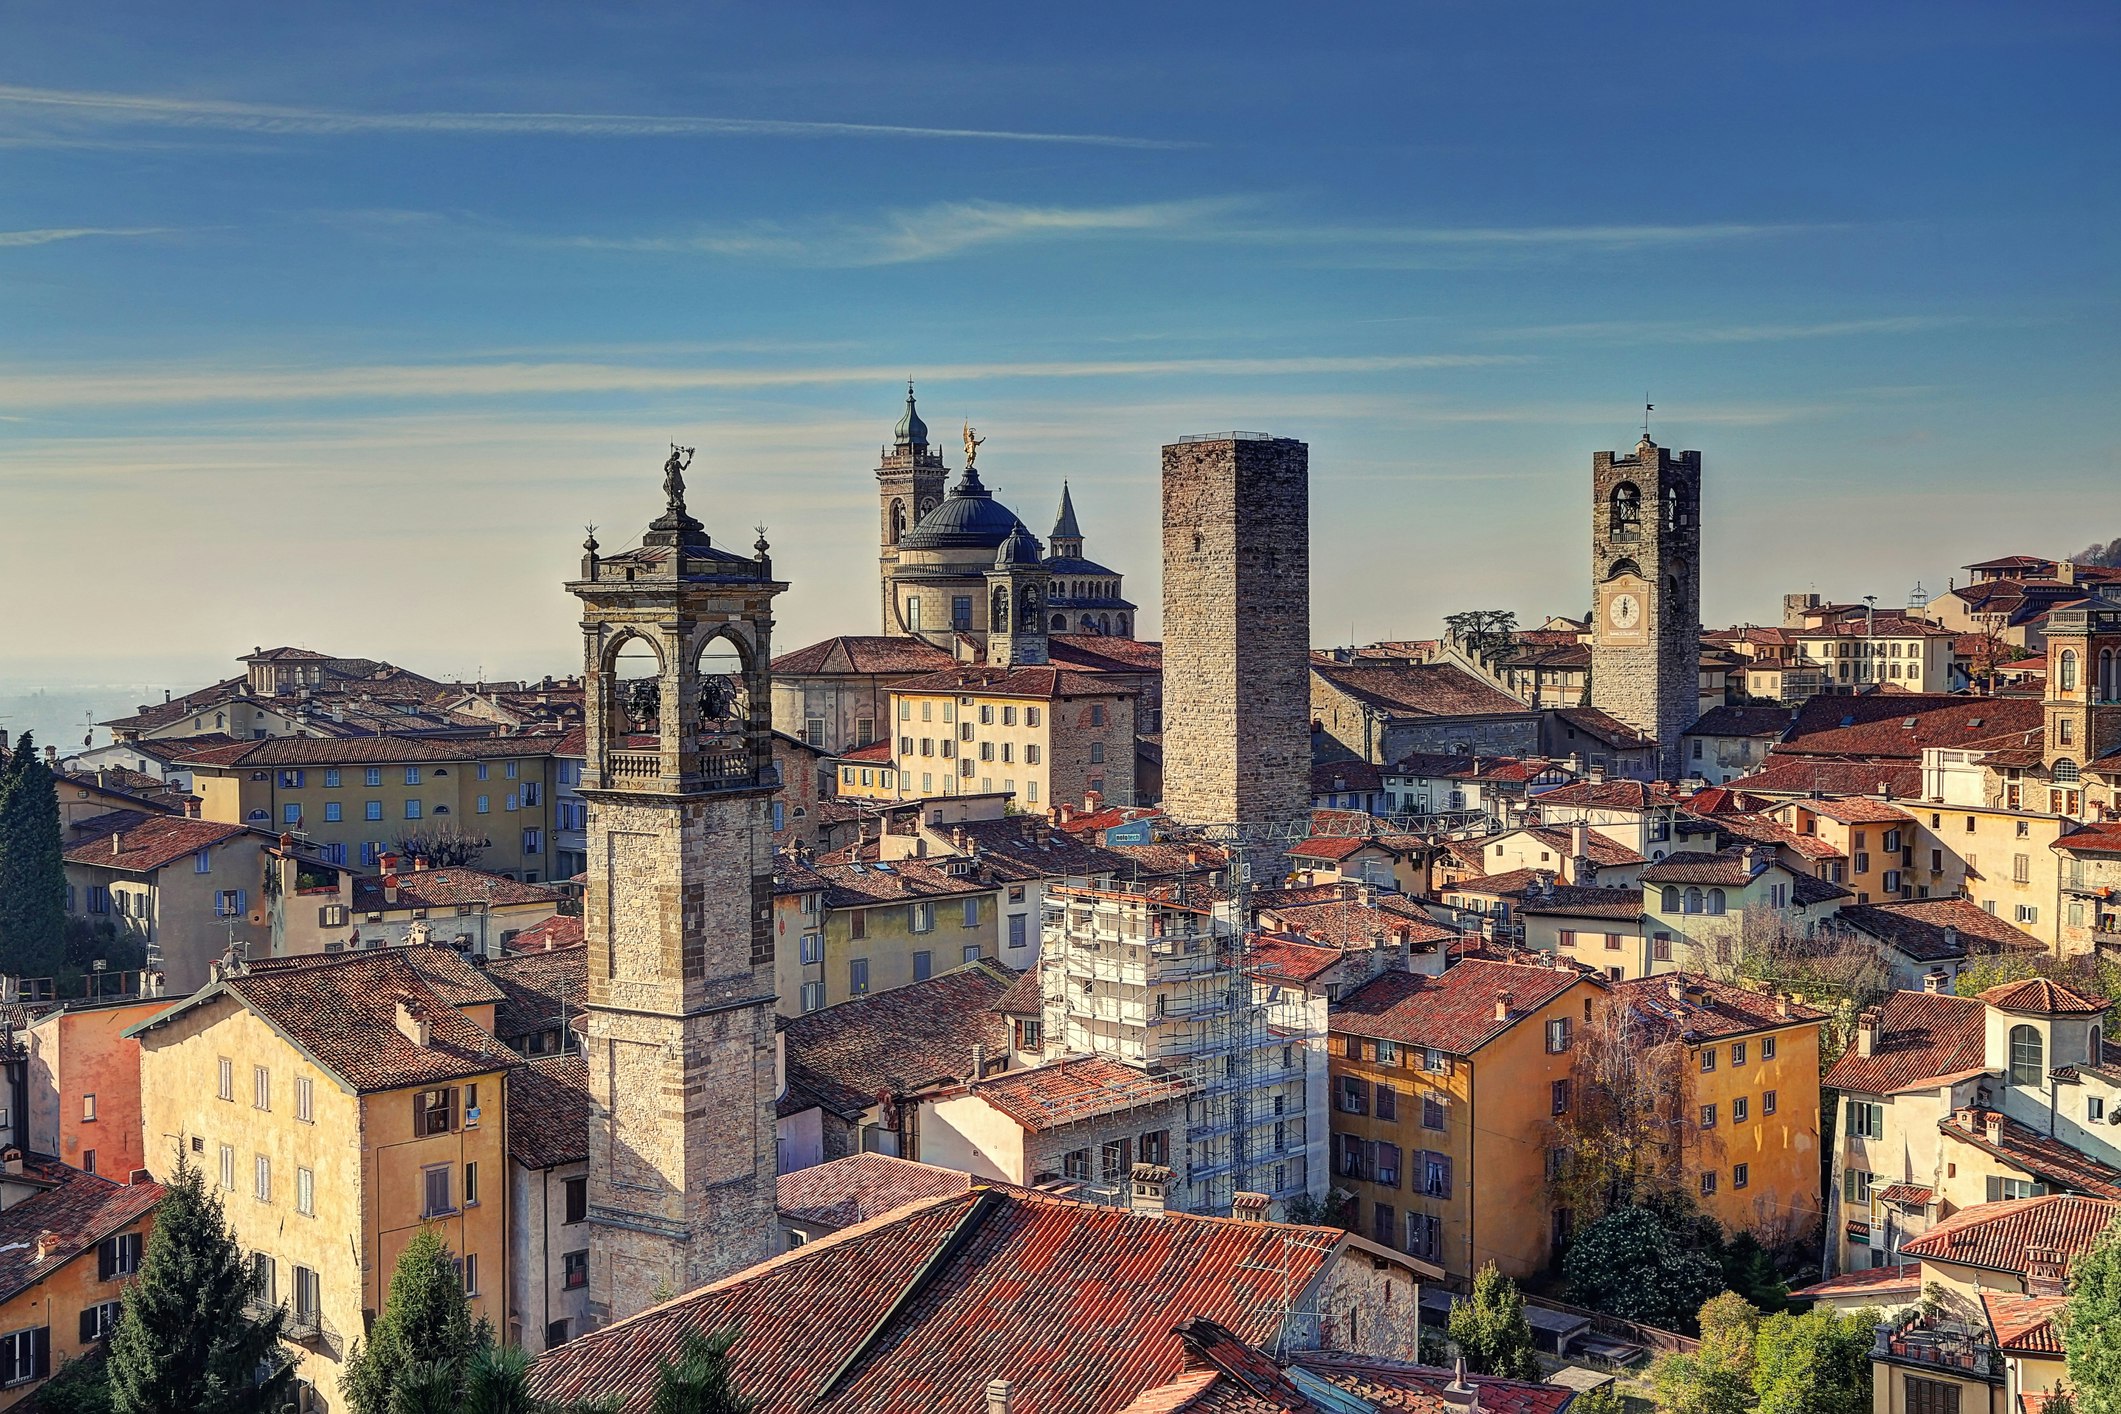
(968, 519)
(1021, 548)
(911, 431)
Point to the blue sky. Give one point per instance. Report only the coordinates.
(333, 324)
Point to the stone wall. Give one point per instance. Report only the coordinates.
(1236, 655)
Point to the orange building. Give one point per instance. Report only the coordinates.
(1443, 1090)
(84, 1084)
(69, 1241)
(1751, 1070)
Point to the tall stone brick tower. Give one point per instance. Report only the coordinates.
(676, 636)
(909, 484)
(1646, 592)
(1237, 631)
(2083, 685)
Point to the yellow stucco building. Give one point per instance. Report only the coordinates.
(339, 1104)
(1750, 1064)
(1443, 1091)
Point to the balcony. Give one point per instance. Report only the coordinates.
(633, 765)
(1913, 1339)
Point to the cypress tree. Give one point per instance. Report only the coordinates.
(32, 867)
(186, 1342)
(425, 1322)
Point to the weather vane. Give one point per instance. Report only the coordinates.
(1648, 407)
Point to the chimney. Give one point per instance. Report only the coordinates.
(140, 1176)
(117, 842)
(191, 807)
(1992, 1126)
(1147, 1185)
(410, 1026)
(1749, 857)
(1597, 776)
(1782, 1004)
(979, 1060)
(1093, 801)
(11, 1161)
(419, 864)
(1675, 988)
(1251, 1207)
(51, 757)
(1504, 1001)
(1579, 840)
(1951, 938)
(1459, 1396)
(2046, 1271)
(999, 1395)
(1067, 812)
(1867, 1032)
(1936, 981)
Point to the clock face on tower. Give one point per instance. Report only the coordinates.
(1623, 611)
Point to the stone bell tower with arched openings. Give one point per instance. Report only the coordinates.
(1646, 592)
(678, 917)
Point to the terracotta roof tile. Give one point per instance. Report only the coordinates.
(343, 1012)
(1996, 1235)
(1901, 725)
(854, 1189)
(1454, 1012)
(1050, 1095)
(2025, 1325)
(150, 842)
(532, 987)
(72, 1215)
(1916, 928)
(1856, 810)
(1285, 960)
(2102, 838)
(1394, 1388)
(1044, 683)
(861, 656)
(548, 1112)
(1751, 722)
(1921, 1036)
(1902, 1279)
(1693, 866)
(1802, 775)
(2038, 996)
(1421, 690)
(899, 1041)
(1072, 1303)
(448, 888)
(558, 931)
(2041, 1155)
(1603, 726)
(1705, 1007)
(1607, 795)
(1350, 923)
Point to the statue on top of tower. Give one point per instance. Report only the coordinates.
(674, 477)
(973, 443)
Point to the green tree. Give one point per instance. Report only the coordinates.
(32, 867)
(1749, 1270)
(80, 1386)
(425, 1318)
(1635, 1264)
(1483, 633)
(1717, 1378)
(1490, 1330)
(701, 1381)
(494, 1379)
(2091, 1325)
(187, 1341)
(1605, 1399)
(1815, 1363)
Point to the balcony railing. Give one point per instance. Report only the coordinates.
(1942, 1344)
(633, 765)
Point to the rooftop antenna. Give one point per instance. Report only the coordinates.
(1648, 407)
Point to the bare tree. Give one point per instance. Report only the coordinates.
(443, 848)
(1831, 969)
(1623, 1139)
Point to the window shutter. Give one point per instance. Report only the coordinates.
(41, 1337)
(1995, 1188)
(419, 1115)
(451, 1098)
(1446, 1176)
(88, 1325)
(106, 1258)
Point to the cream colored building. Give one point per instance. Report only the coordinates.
(1046, 734)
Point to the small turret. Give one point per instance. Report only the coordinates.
(1067, 537)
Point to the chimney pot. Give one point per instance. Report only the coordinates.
(410, 1025)
(1867, 1032)
(1504, 1001)
(1252, 1207)
(1000, 1393)
(1992, 1126)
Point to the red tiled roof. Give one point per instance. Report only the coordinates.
(1454, 1012)
(447, 888)
(1341, 922)
(534, 986)
(1921, 1036)
(559, 931)
(1394, 1388)
(1902, 1278)
(1338, 777)
(1586, 901)
(1285, 960)
(2025, 1325)
(71, 1215)
(1996, 1235)
(1916, 928)
(150, 842)
(1044, 683)
(1705, 1007)
(1047, 1096)
(1693, 866)
(2041, 1155)
(1604, 726)
(1916, 1194)
(342, 1011)
(876, 753)
(1099, 653)
(2039, 996)
(1607, 795)
(861, 655)
(1598, 848)
(1420, 690)
(2102, 838)
(1801, 775)
(548, 1112)
(1072, 1303)
(1900, 725)
(1855, 810)
(1752, 722)
(897, 1041)
(854, 1189)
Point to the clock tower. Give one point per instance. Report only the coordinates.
(1646, 592)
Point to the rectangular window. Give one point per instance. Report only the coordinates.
(1708, 1183)
(306, 1192)
(305, 1099)
(434, 1112)
(332, 813)
(1708, 1116)
(1708, 1058)
(290, 780)
(1354, 1095)
(1856, 1187)
(412, 809)
(372, 776)
(437, 1191)
(921, 917)
(972, 912)
(1387, 1102)
(1557, 1035)
(1767, 1103)
(225, 1076)
(811, 949)
(577, 1200)
(1559, 1097)
(1737, 1053)
(471, 1185)
(1767, 1048)
(470, 1267)
(858, 976)
(228, 1168)
(1432, 1111)
(88, 1109)
(118, 1256)
(372, 810)
(331, 777)
(575, 1269)
(261, 1088)
(412, 775)
(1931, 1396)
(290, 813)
(1741, 1175)
(533, 841)
(1741, 1110)
(261, 1186)
(1661, 947)
(1018, 930)
(309, 1298)
(858, 923)
(483, 805)
(99, 1320)
(923, 966)
(971, 953)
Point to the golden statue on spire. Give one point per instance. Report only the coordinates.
(972, 445)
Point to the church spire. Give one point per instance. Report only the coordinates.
(1067, 537)
(911, 434)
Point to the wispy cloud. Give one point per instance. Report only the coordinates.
(12, 239)
(1524, 237)
(1673, 332)
(23, 388)
(61, 114)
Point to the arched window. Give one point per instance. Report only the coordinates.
(898, 520)
(2109, 684)
(1122, 622)
(998, 617)
(2065, 771)
(1693, 900)
(1715, 900)
(1671, 899)
(1675, 511)
(2066, 670)
(1104, 623)
(1089, 624)
(1060, 623)
(2026, 1068)
(1624, 509)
